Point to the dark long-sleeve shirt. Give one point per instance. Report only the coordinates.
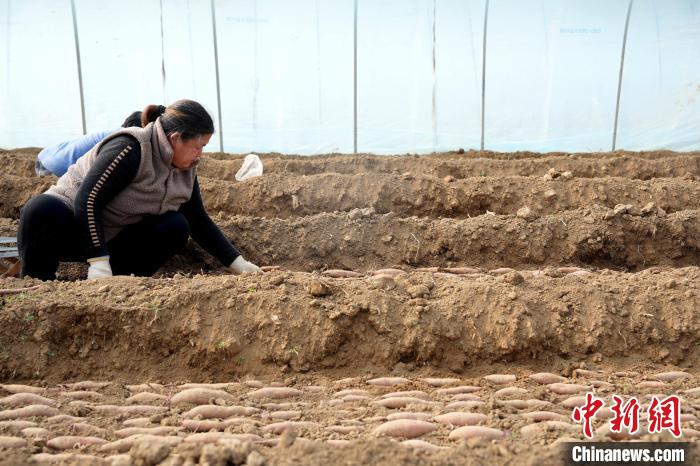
(114, 169)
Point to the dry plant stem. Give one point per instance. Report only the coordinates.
(4, 291)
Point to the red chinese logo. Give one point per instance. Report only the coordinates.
(586, 413)
(662, 414)
(665, 414)
(626, 415)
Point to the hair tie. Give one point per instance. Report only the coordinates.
(161, 109)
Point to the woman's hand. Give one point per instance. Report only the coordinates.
(240, 265)
(99, 268)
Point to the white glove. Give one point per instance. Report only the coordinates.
(240, 265)
(99, 268)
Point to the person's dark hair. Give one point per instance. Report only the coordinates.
(186, 117)
(132, 120)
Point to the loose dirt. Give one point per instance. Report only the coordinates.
(585, 266)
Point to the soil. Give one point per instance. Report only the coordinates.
(575, 261)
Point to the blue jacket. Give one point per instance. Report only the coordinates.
(58, 158)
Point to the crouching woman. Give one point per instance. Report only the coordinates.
(130, 203)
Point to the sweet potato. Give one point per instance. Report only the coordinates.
(138, 422)
(405, 428)
(546, 378)
(509, 392)
(412, 393)
(212, 386)
(456, 390)
(410, 416)
(144, 387)
(145, 397)
(254, 383)
(36, 433)
(500, 379)
(200, 396)
(338, 273)
(567, 388)
(400, 402)
(15, 388)
(285, 415)
(655, 384)
(439, 382)
(12, 442)
(466, 397)
(421, 445)
(125, 444)
(464, 405)
(219, 412)
(82, 428)
(343, 393)
(671, 376)
(82, 395)
(279, 427)
(160, 431)
(355, 398)
(25, 399)
(388, 381)
(593, 374)
(275, 392)
(88, 385)
(467, 432)
(461, 419)
(28, 411)
(193, 425)
(59, 418)
(517, 404)
(68, 442)
(16, 425)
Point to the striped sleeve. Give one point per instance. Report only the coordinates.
(114, 168)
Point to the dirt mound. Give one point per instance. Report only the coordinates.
(624, 165)
(634, 165)
(283, 196)
(278, 196)
(205, 327)
(362, 240)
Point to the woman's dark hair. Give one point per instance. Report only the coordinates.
(186, 117)
(132, 120)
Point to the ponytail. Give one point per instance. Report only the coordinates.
(151, 113)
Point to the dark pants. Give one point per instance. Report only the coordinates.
(49, 233)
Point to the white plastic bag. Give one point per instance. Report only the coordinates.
(252, 167)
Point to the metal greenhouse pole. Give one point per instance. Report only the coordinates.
(162, 53)
(354, 83)
(80, 69)
(483, 74)
(216, 67)
(619, 79)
